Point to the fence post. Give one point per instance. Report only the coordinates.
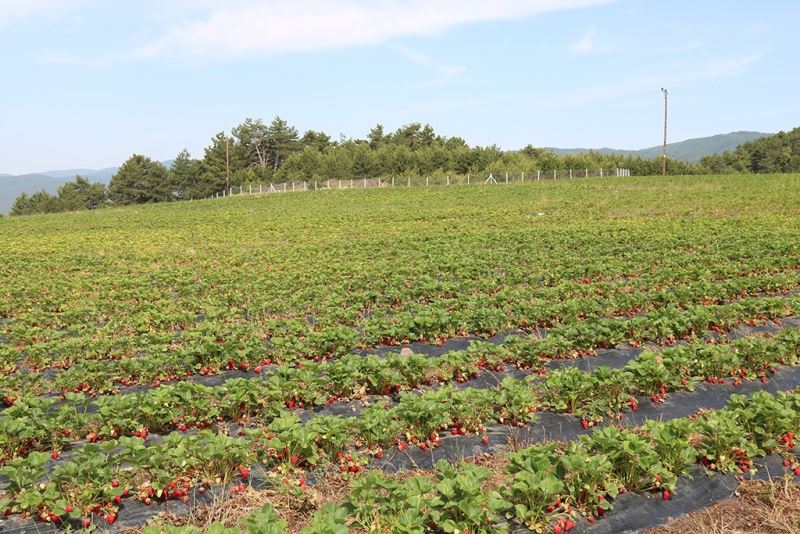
(392, 181)
(554, 174)
(570, 173)
(506, 176)
(328, 184)
(467, 178)
(315, 185)
(426, 181)
(365, 183)
(409, 181)
(448, 179)
(251, 188)
(292, 186)
(601, 172)
(538, 174)
(523, 176)
(586, 173)
(351, 183)
(284, 187)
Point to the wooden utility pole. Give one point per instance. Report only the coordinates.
(227, 165)
(664, 154)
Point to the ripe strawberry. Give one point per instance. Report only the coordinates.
(787, 463)
(110, 518)
(54, 455)
(379, 455)
(550, 508)
(86, 522)
(569, 525)
(68, 508)
(584, 423)
(245, 472)
(557, 529)
(147, 501)
(665, 495)
(402, 445)
(115, 483)
(797, 471)
(294, 459)
(485, 440)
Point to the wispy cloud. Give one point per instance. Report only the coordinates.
(13, 11)
(586, 44)
(250, 27)
(444, 72)
(711, 70)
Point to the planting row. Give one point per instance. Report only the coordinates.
(543, 487)
(208, 344)
(33, 425)
(568, 340)
(285, 444)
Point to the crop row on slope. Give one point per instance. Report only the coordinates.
(567, 340)
(39, 423)
(284, 443)
(543, 486)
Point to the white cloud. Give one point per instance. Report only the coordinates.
(249, 27)
(445, 73)
(586, 44)
(14, 11)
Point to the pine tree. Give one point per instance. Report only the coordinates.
(140, 180)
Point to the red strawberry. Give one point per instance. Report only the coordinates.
(86, 522)
(54, 455)
(797, 471)
(557, 529)
(485, 440)
(666, 495)
(786, 463)
(569, 525)
(110, 518)
(584, 423)
(379, 455)
(294, 459)
(115, 483)
(68, 508)
(244, 472)
(147, 501)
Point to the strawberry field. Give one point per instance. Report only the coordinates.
(547, 357)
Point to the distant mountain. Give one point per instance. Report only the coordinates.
(690, 150)
(12, 186)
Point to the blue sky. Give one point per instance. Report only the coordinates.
(88, 82)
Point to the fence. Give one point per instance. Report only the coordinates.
(417, 181)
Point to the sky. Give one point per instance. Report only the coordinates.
(86, 83)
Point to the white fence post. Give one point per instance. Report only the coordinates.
(586, 173)
(392, 181)
(426, 181)
(601, 172)
(351, 183)
(467, 178)
(315, 185)
(409, 181)
(448, 179)
(570, 173)
(523, 176)
(328, 184)
(554, 174)
(365, 183)
(251, 188)
(506, 176)
(538, 175)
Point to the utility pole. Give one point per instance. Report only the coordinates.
(228, 165)
(664, 154)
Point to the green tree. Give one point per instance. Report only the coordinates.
(283, 142)
(39, 202)
(185, 178)
(316, 140)
(81, 194)
(140, 180)
(222, 158)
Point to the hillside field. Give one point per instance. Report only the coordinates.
(314, 356)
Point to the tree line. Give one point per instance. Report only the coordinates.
(257, 152)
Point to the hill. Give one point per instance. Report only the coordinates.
(690, 150)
